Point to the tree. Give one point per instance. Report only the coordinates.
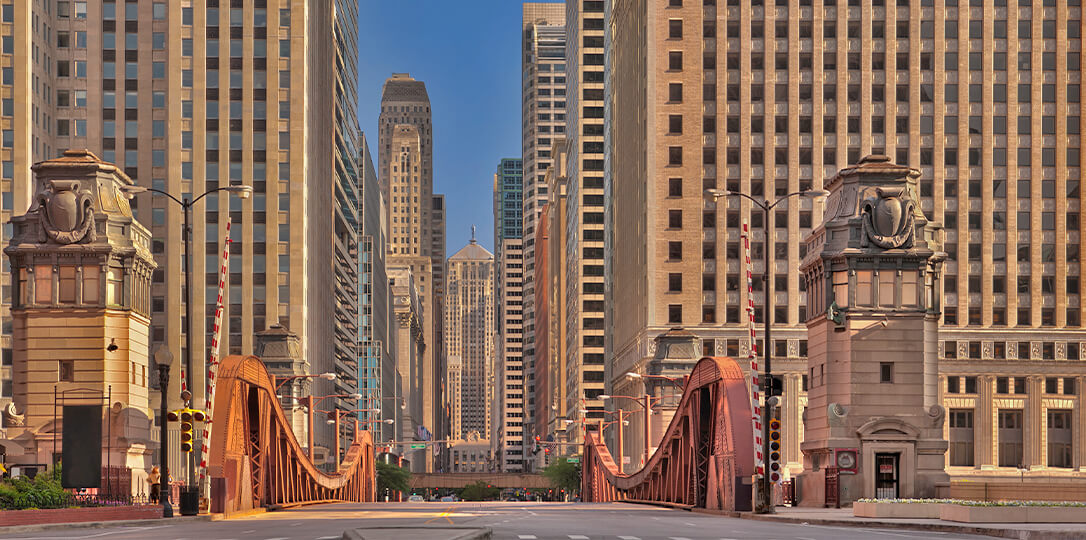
(479, 492)
(564, 475)
(391, 477)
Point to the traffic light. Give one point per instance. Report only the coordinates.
(776, 386)
(187, 417)
(535, 447)
(186, 430)
(774, 450)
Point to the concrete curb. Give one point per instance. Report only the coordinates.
(16, 529)
(1020, 534)
(470, 533)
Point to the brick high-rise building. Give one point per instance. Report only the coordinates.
(510, 369)
(187, 97)
(982, 99)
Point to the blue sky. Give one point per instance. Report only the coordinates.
(467, 53)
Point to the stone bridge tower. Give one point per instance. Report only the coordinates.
(872, 270)
(82, 268)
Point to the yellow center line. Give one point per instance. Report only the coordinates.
(444, 514)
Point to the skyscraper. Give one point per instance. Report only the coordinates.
(248, 95)
(469, 336)
(982, 100)
(415, 220)
(376, 363)
(543, 112)
(509, 369)
(585, 206)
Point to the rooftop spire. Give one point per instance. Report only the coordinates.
(473, 234)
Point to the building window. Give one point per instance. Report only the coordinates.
(675, 60)
(66, 371)
(675, 29)
(675, 282)
(886, 372)
(675, 219)
(1010, 437)
(675, 314)
(1059, 438)
(675, 251)
(961, 437)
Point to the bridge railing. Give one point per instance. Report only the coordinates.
(255, 460)
(705, 458)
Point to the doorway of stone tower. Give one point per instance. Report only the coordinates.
(887, 467)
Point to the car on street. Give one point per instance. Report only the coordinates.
(416, 498)
(449, 498)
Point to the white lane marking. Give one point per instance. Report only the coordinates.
(577, 537)
(679, 538)
(250, 531)
(526, 536)
(330, 538)
(804, 538)
(629, 538)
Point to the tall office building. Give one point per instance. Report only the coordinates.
(469, 336)
(509, 369)
(439, 426)
(248, 95)
(347, 197)
(585, 206)
(416, 238)
(983, 100)
(376, 361)
(543, 116)
(550, 366)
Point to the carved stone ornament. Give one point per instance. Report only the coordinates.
(67, 216)
(720, 347)
(937, 414)
(888, 220)
(12, 417)
(986, 350)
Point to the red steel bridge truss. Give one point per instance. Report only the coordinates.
(255, 460)
(705, 458)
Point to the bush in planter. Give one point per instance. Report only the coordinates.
(43, 491)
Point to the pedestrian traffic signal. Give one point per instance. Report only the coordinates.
(776, 385)
(775, 451)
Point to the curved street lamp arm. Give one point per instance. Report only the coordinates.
(174, 199)
(760, 204)
(790, 195)
(209, 192)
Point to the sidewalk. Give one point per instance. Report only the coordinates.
(844, 517)
(18, 529)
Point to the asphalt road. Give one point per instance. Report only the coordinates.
(516, 521)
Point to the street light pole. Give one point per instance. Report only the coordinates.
(163, 357)
(242, 191)
(648, 428)
(765, 499)
(618, 443)
(186, 206)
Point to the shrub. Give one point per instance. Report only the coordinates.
(43, 491)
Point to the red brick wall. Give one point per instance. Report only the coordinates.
(78, 515)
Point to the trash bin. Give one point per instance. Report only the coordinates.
(190, 501)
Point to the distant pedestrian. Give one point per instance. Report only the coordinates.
(155, 479)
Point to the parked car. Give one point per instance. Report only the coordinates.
(416, 498)
(449, 498)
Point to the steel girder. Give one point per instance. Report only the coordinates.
(255, 460)
(704, 457)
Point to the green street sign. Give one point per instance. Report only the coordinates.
(573, 460)
(417, 446)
